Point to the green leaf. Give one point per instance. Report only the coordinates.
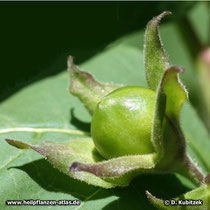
(86, 88)
(43, 112)
(156, 60)
(200, 194)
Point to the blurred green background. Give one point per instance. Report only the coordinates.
(37, 37)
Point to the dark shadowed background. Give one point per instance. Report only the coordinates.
(37, 37)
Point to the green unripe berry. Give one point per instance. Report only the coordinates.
(122, 122)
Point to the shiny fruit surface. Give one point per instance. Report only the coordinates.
(122, 122)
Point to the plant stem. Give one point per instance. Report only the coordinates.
(190, 170)
(185, 166)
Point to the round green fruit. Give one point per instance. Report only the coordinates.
(122, 122)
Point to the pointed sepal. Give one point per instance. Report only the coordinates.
(167, 136)
(119, 170)
(155, 58)
(86, 87)
(61, 155)
(166, 133)
(79, 159)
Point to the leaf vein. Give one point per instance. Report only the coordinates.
(88, 198)
(43, 130)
